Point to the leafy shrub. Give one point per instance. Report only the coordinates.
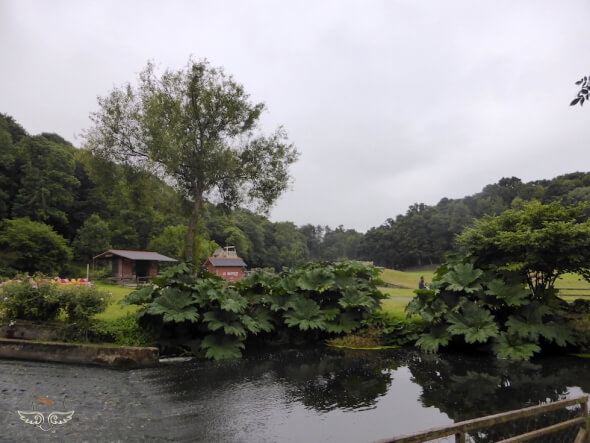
(489, 309)
(392, 330)
(81, 302)
(31, 246)
(30, 300)
(213, 317)
(124, 331)
(581, 306)
(39, 299)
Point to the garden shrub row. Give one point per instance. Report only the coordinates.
(39, 299)
(217, 319)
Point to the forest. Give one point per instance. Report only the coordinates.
(60, 205)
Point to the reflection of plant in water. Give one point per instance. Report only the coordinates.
(330, 385)
(466, 388)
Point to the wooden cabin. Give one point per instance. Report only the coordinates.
(132, 265)
(226, 263)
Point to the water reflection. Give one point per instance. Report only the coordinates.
(291, 395)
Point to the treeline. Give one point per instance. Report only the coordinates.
(426, 233)
(93, 204)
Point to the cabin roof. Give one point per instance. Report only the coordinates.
(221, 262)
(135, 255)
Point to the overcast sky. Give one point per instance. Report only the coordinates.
(390, 103)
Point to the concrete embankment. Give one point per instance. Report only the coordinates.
(89, 354)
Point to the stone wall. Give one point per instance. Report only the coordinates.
(113, 356)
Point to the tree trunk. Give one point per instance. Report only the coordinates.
(189, 247)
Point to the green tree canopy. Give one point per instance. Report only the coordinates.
(198, 128)
(539, 241)
(47, 182)
(93, 238)
(30, 246)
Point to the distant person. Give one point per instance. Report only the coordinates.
(422, 284)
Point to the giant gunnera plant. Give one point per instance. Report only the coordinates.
(215, 318)
(488, 310)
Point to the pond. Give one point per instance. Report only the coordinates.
(320, 395)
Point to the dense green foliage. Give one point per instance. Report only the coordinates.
(94, 203)
(32, 246)
(488, 309)
(216, 319)
(198, 128)
(40, 299)
(539, 242)
(425, 234)
(502, 296)
(124, 331)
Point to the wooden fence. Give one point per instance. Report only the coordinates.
(459, 430)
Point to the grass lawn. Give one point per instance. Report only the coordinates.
(572, 286)
(398, 292)
(114, 309)
(395, 307)
(408, 280)
(572, 281)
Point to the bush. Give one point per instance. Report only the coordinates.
(392, 330)
(489, 309)
(38, 299)
(124, 331)
(216, 318)
(81, 302)
(32, 246)
(29, 300)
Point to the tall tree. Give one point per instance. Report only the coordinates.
(198, 128)
(31, 246)
(48, 183)
(539, 242)
(93, 237)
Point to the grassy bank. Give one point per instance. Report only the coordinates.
(114, 310)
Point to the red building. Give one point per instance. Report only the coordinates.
(136, 265)
(226, 263)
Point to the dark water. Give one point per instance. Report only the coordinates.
(290, 396)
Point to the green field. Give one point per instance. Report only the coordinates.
(571, 287)
(407, 280)
(114, 309)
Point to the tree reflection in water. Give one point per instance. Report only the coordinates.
(263, 393)
(466, 387)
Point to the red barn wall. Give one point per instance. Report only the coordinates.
(229, 273)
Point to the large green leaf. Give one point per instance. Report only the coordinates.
(221, 347)
(256, 321)
(233, 302)
(318, 279)
(345, 322)
(305, 314)
(432, 340)
(513, 347)
(353, 298)
(277, 302)
(230, 323)
(560, 333)
(463, 278)
(511, 294)
(171, 274)
(474, 323)
(175, 306)
(528, 322)
(139, 296)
